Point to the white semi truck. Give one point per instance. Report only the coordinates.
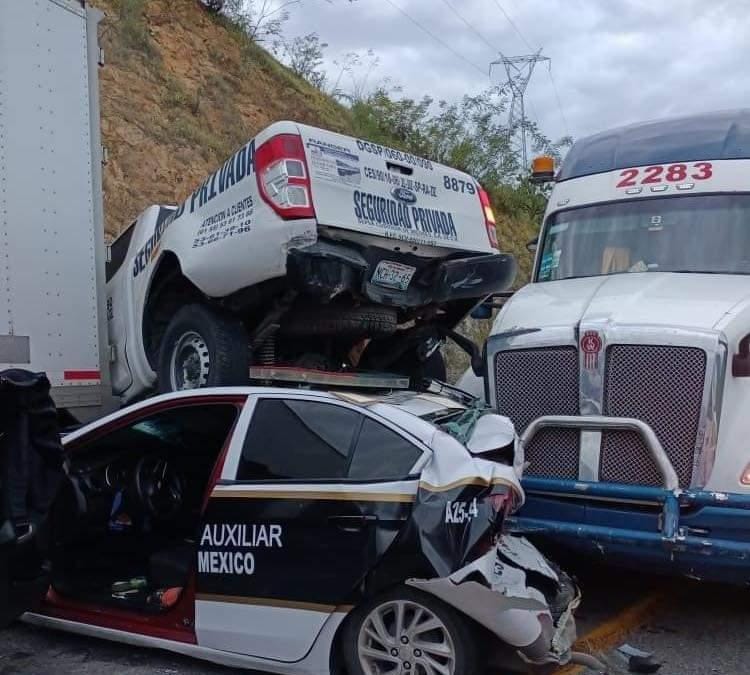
(625, 363)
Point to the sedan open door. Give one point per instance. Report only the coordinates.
(31, 468)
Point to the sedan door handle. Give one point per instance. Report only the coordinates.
(352, 523)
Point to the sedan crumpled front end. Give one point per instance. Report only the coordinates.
(515, 594)
(460, 510)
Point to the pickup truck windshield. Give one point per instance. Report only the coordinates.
(701, 234)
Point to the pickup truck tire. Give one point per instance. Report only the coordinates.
(202, 348)
(351, 322)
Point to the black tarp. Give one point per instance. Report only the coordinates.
(31, 468)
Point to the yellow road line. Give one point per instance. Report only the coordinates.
(608, 634)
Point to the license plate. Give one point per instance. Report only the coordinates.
(393, 275)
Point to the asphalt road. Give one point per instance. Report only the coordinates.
(698, 629)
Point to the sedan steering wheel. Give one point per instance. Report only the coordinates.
(158, 487)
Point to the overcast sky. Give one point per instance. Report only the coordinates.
(613, 61)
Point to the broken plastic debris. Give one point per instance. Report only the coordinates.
(638, 661)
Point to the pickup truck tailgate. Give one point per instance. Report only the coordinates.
(362, 186)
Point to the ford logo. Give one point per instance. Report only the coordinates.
(404, 195)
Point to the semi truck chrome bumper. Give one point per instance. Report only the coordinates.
(327, 269)
(692, 532)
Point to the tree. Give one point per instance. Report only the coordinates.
(304, 56)
(261, 20)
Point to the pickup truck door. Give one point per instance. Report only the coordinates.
(309, 499)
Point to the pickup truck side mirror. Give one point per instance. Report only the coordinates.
(531, 246)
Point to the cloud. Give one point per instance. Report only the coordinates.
(613, 62)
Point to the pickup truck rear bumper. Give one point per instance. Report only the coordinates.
(327, 269)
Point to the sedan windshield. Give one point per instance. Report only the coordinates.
(700, 233)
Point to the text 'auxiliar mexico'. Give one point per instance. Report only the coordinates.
(228, 538)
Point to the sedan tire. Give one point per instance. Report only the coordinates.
(407, 632)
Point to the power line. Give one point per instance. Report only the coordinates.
(557, 98)
(471, 27)
(436, 38)
(549, 67)
(519, 70)
(513, 25)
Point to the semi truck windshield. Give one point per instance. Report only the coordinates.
(700, 234)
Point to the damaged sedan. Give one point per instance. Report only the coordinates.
(284, 530)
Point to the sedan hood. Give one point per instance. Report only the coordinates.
(650, 298)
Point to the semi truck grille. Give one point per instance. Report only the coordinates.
(663, 386)
(535, 382)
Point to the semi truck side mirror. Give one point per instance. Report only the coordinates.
(532, 245)
(741, 360)
(483, 311)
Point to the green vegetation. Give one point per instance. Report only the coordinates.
(133, 28)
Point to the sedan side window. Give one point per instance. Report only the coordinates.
(294, 439)
(382, 454)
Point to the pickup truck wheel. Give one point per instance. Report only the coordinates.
(202, 348)
(407, 631)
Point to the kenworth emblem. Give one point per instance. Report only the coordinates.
(591, 345)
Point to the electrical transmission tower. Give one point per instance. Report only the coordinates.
(519, 70)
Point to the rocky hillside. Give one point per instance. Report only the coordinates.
(180, 91)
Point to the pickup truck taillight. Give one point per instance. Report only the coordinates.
(283, 178)
(489, 217)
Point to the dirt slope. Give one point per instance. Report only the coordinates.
(180, 91)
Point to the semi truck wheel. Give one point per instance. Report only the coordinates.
(202, 348)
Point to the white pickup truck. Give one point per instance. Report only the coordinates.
(306, 248)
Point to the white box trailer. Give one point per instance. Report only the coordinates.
(52, 315)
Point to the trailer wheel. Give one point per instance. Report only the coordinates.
(202, 348)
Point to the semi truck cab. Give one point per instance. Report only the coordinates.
(625, 362)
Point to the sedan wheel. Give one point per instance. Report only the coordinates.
(403, 636)
(407, 632)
